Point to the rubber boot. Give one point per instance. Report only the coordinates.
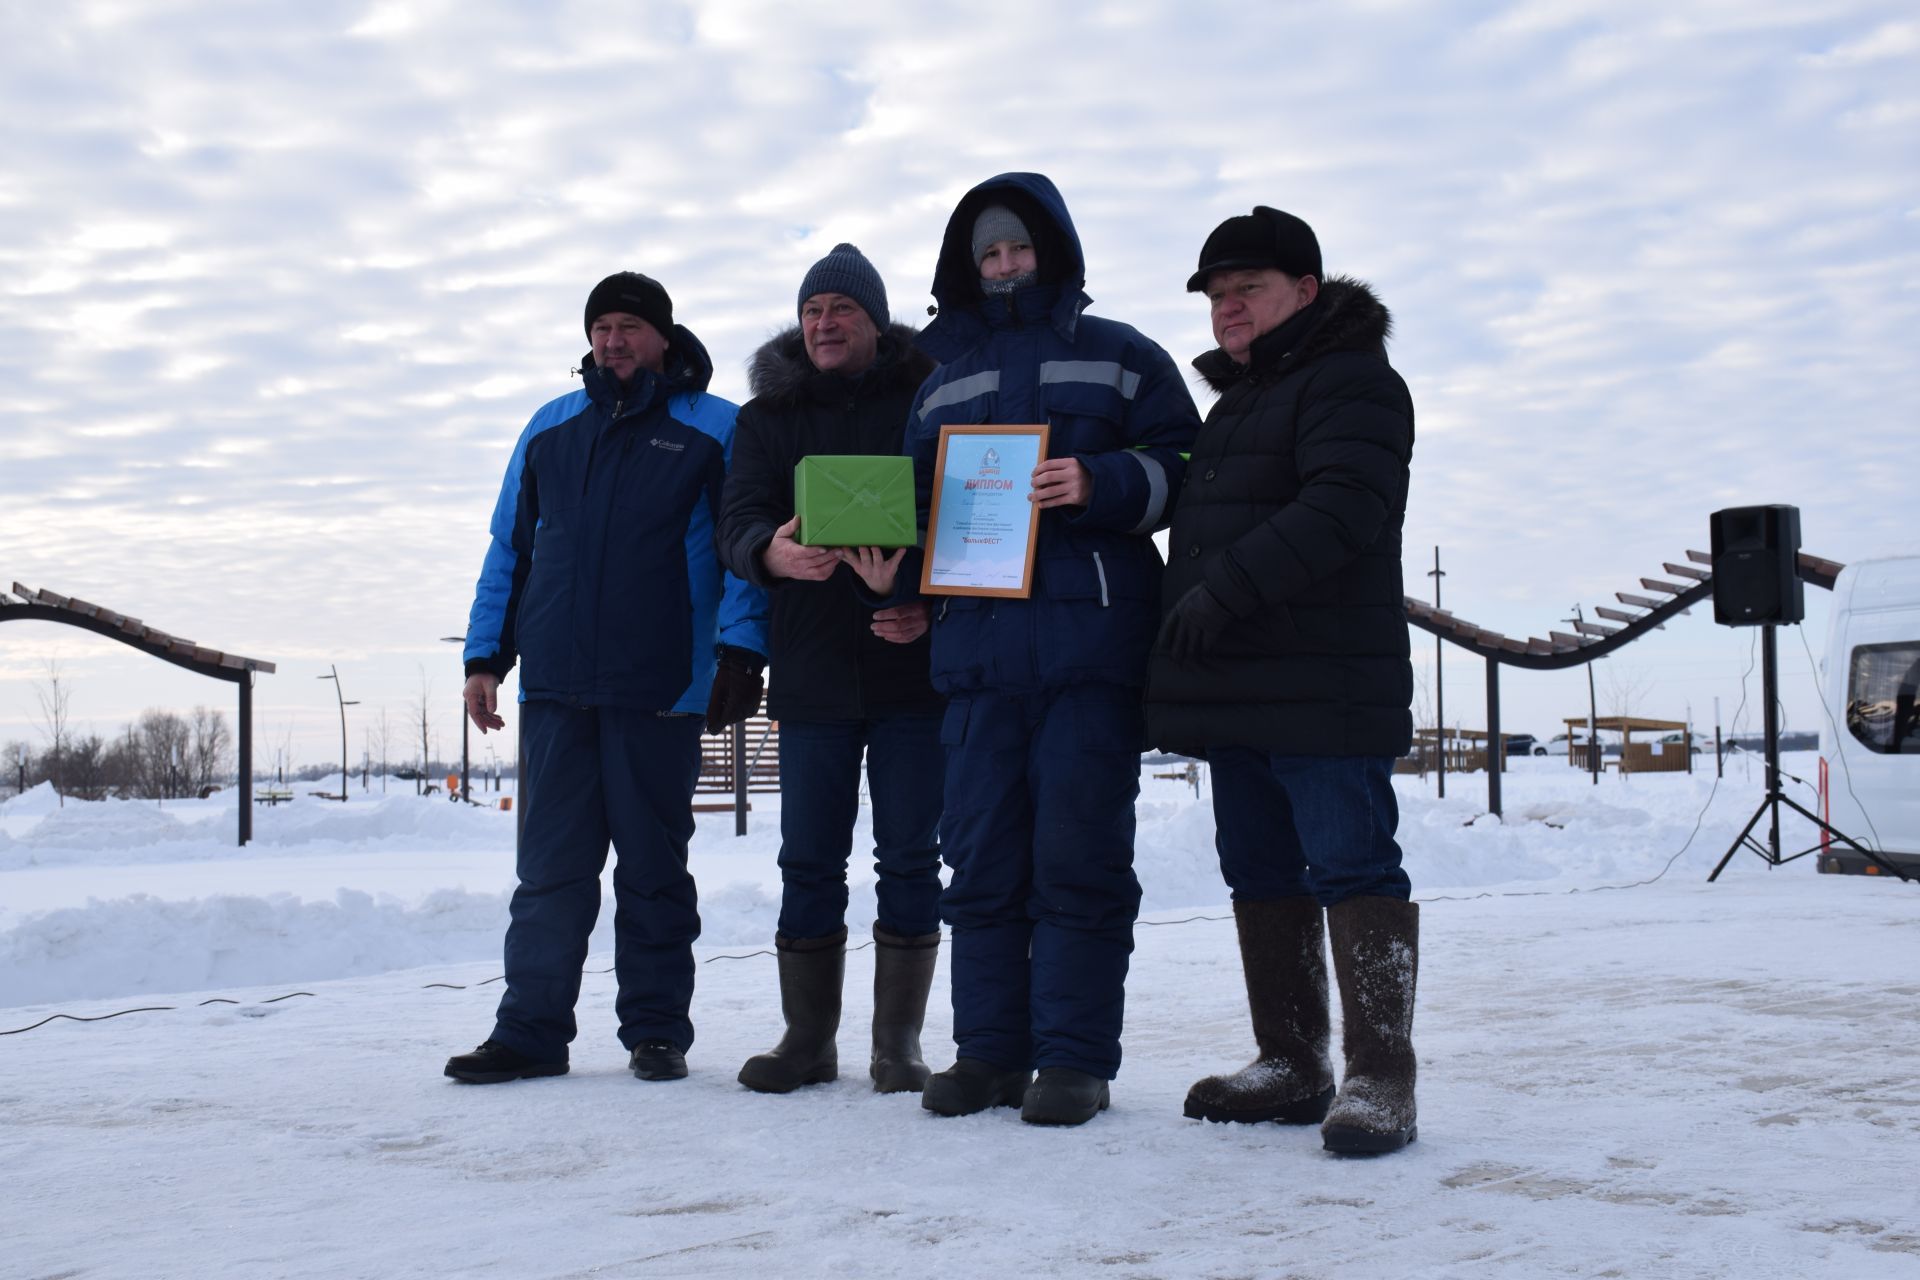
(902, 976)
(1283, 951)
(1376, 958)
(811, 970)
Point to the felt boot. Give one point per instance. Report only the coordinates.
(1283, 952)
(1376, 958)
(902, 976)
(811, 970)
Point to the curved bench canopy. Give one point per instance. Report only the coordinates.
(28, 605)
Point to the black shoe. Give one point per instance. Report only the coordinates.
(1061, 1095)
(496, 1063)
(970, 1085)
(658, 1060)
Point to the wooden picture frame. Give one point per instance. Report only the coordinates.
(982, 511)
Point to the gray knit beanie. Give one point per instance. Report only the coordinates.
(847, 271)
(996, 223)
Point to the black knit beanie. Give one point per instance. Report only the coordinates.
(847, 271)
(635, 294)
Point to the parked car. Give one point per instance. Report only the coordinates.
(1524, 744)
(1558, 744)
(1679, 739)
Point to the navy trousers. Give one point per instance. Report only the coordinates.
(819, 801)
(1038, 832)
(1286, 826)
(594, 775)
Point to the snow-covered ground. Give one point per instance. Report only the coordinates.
(1672, 1079)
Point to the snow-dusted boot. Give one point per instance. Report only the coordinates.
(902, 976)
(1376, 957)
(811, 970)
(1283, 949)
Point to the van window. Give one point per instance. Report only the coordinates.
(1882, 682)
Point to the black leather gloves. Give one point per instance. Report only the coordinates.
(736, 687)
(1193, 624)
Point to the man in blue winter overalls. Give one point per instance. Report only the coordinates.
(1044, 728)
(603, 581)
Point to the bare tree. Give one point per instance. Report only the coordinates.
(15, 758)
(422, 708)
(56, 703)
(1625, 688)
(210, 749)
(162, 745)
(1422, 714)
(383, 740)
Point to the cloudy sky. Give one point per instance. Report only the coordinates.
(279, 284)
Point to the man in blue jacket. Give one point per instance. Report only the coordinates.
(1044, 728)
(602, 580)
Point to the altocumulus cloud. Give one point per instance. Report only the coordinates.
(279, 284)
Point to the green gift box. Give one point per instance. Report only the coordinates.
(851, 500)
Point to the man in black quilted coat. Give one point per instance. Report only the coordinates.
(849, 682)
(1282, 660)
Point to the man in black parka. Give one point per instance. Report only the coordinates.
(1282, 660)
(847, 679)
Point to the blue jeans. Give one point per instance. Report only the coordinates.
(594, 775)
(1292, 825)
(819, 800)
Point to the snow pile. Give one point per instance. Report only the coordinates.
(119, 898)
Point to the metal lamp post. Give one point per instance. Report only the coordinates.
(344, 704)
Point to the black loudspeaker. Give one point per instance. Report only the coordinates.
(1754, 580)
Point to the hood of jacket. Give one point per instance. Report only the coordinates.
(962, 322)
(1345, 317)
(687, 367)
(781, 372)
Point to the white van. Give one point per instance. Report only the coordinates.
(1870, 736)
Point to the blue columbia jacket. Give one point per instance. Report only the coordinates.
(602, 578)
(1114, 400)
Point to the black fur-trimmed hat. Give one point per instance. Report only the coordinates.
(1264, 239)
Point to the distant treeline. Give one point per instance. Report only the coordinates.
(160, 756)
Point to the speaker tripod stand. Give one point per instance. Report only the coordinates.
(1769, 853)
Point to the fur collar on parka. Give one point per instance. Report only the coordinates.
(1345, 317)
(781, 372)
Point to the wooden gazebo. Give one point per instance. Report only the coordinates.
(1635, 757)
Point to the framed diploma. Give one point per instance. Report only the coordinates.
(983, 525)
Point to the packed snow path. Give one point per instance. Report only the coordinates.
(1675, 1080)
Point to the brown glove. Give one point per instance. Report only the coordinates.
(736, 687)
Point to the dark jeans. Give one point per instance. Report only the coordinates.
(1292, 825)
(1039, 834)
(819, 801)
(594, 774)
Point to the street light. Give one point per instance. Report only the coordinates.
(344, 704)
(464, 717)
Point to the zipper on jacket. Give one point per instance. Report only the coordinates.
(1100, 568)
(586, 477)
